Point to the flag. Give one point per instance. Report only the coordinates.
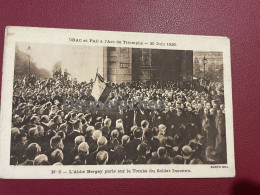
(100, 90)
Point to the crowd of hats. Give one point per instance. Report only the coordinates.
(189, 130)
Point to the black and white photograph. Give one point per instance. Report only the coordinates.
(94, 105)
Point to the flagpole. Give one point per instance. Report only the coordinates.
(96, 74)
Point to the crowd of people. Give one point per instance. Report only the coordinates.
(190, 129)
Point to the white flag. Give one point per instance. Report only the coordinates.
(100, 90)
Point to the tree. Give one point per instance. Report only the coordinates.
(56, 66)
(21, 66)
(197, 72)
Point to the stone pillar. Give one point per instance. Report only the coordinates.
(119, 64)
(187, 65)
(105, 63)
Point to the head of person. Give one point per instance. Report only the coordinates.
(99, 119)
(83, 121)
(114, 134)
(178, 104)
(89, 131)
(36, 110)
(219, 112)
(206, 111)
(61, 113)
(162, 129)
(196, 161)
(27, 112)
(167, 108)
(102, 141)
(57, 156)
(214, 104)
(40, 159)
(212, 111)
(51, 116)
(21, 139)
(155, 131)
(200, 140)
(81, 116)
(125, 139)
(186, 152)
(32, 151)
(17, 119)
(14, 131)
(61, 134)
(56, 142)
(50, 134)
(83, 148)
(148, 134)
(138, 133)
(68, 117)
(48, 105)
(178, 159)
(162, 152)
(119, 153)
(79, 139)
(133, 128)
(98, 125)
(88, 118)
(144, 125)
(105, 131)
(63, 128)
(102, 157)
(208, 105)
(193, 144)
(45, 119)
(199, 106)
(189, 109)
(53, 126)
(107, 122)
(57, 119)
(40, 131)
(76, 125)
(96, 135)
(35, 120)
(54, 108)
(119, 125)
(57, 164)
(73, 114)
(142, 149)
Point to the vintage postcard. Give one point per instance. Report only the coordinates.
(101, 104)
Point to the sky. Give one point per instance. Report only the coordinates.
(80, 61)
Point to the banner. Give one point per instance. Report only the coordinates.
(100, 90)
